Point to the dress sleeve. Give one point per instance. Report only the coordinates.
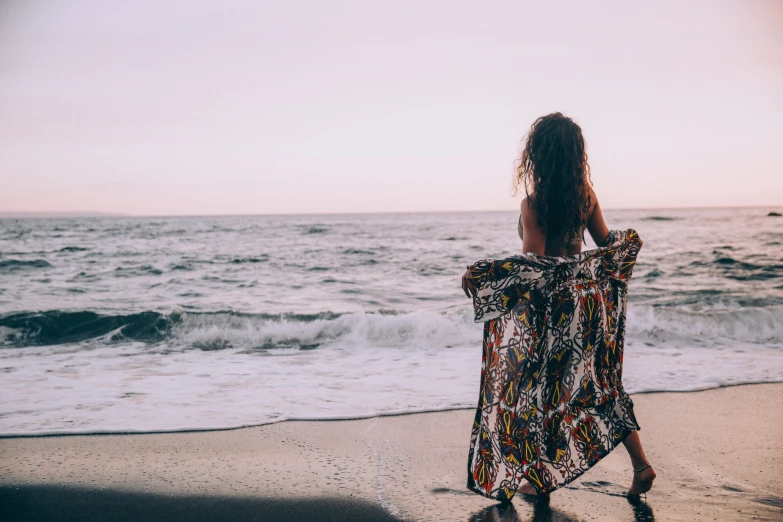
(619, 256)
(502, 283)
(632, 243)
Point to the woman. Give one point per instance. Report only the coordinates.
(559, 205)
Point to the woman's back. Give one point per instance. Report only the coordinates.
(556, 246)
(535, 240)
(559, 202)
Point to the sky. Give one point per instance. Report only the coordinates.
(160, 107)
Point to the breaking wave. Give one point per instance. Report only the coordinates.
(222, 330)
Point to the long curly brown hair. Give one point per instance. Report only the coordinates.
(553, 166)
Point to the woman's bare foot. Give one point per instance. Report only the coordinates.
(642, 481)
(528, 489)
(643, 473)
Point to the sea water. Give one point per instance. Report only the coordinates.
(120, 324)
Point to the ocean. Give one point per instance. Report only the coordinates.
(126, 324)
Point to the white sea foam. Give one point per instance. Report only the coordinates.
(747, 324)
(365, 365)
(415, 329)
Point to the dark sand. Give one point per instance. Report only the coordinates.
(717, 454)
(67, 503)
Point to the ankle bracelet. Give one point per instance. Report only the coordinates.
(642, 468)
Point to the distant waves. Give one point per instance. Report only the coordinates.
(165, 324)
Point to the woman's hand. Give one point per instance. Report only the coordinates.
(468, 285)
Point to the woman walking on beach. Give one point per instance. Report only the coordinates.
(552, 403)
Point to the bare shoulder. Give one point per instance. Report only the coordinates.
(534, 238)
(527, 207)
(527, 210)
(593, 201)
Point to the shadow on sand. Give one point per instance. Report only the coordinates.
(642, 512)
(542, 512)
(506, 512)
(62, 503)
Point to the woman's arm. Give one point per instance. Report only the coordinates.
(596, 224)
(534, 240)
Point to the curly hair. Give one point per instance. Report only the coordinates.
(553, 166)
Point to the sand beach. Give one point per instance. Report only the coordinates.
(717, 454)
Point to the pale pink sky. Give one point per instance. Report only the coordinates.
(163, 107)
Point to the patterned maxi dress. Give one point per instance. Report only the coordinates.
(551, 402)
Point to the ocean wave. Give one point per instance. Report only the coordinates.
(361, 330)
(222, 330)
(358, 251)
(12, 265)
(747, 324)
(384, 328)
(316, 230)
(181, 266)
(737, 269)
(263, 258)
(60, 327)
(175, 371)
(134, 271)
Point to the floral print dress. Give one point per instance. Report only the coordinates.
(551, 401)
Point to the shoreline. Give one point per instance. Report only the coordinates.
(717, 454)
(339, 419)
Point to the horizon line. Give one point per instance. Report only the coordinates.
(87, 214)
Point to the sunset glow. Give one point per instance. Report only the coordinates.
(298, 107)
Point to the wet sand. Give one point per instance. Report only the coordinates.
(717, 454)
